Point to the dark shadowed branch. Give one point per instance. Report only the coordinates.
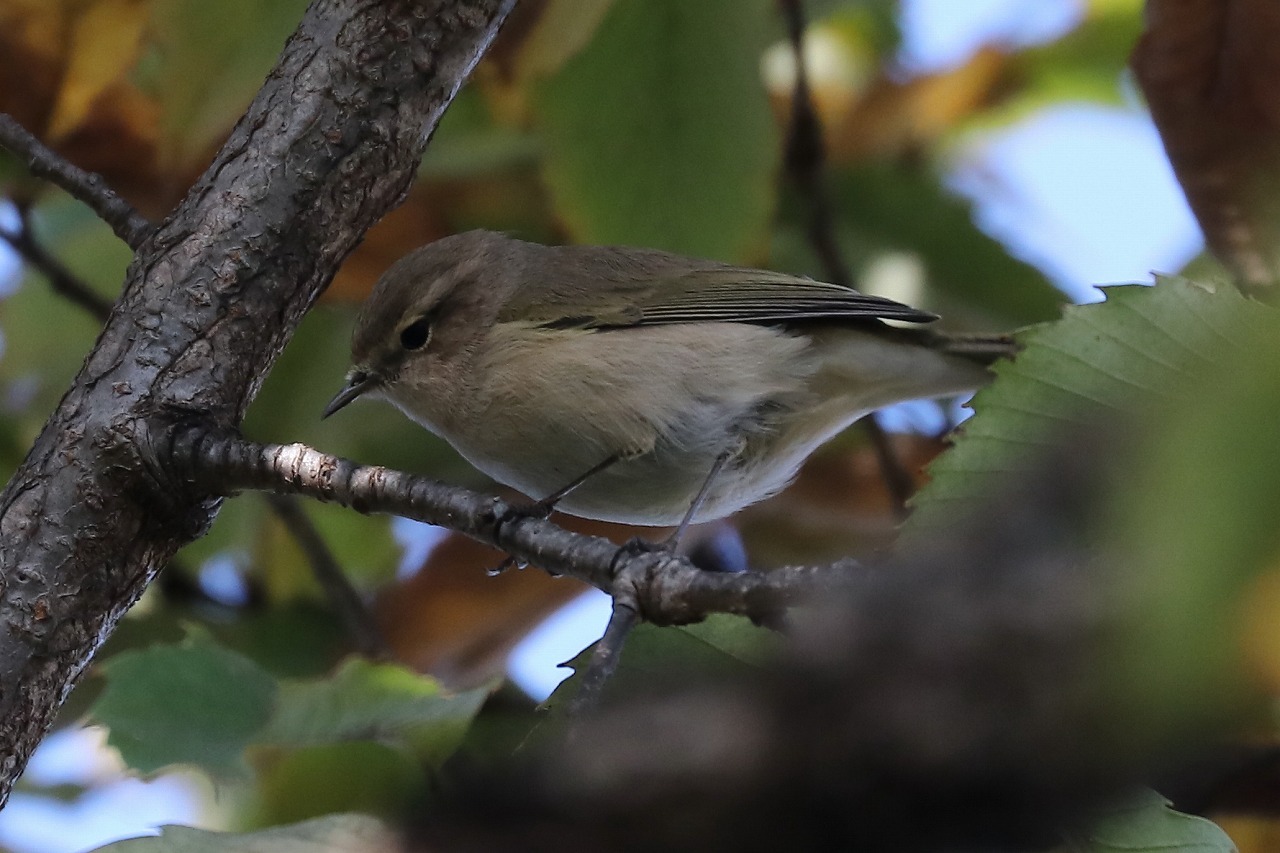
(806, 155)
(962, 698)
(88, 187)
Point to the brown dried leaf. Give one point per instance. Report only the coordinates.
(837, 507)
(1208, 69)
(1251, 834)
(102, 46)
(408, 226)
(454, 621)
(893, 116)
(64, 75)
(33, 36)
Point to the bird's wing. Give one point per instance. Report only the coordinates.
(716, 294)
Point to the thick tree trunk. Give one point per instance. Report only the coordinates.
(330, 144)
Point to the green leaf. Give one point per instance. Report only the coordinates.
(1125, 355)
(1087, 64)
(563, 29)
(362, 545)
(1147, 823)
(1194, 517)
(368, 701)
(342, 833)
(660, 132)
(719, 645)
(360, 776)
(193, 702)
(298, 639)
(1182, 379)
(211, 59)
(82, 242)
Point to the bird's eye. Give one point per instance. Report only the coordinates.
(416, 334)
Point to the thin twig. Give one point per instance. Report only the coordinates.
(806, 165)
(342, 596)
(604, 659)
(665, 588)
(88, 187)
(897, 479)
(806, 155)
(63, 281)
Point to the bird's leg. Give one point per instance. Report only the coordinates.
(547, 504)
(641, 546)
(543, 508)
(700, 498)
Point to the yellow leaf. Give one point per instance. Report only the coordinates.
(1251, 834)
(1261, 629)
(542, 37)
(104, 43)
(564, 28)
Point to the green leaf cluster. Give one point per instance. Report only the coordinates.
(361, 738)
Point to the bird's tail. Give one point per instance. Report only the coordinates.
(983, 349)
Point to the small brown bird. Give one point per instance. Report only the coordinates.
(634, 385)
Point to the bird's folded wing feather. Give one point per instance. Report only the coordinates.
(719, 294)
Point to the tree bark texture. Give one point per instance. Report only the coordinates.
(331, 142)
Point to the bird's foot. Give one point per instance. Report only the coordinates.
(515, 512)
(637, 547)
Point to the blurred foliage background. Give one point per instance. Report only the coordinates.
(647, 122)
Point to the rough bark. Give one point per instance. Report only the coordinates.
(330, 144)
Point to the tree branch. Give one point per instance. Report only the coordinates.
(806, 166)
(342, 596)
(604, 658)
(339, 592)
(330, 143)
(63, 281)
(665, 588)
(806, 155)
(89, 187)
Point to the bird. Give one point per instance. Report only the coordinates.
(635, 385)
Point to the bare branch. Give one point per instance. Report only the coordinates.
(43, 162)
(806, 166)
(604, 658)
(665, 588)
(806, 155)
(344, 597)
(63, 281)
(897, 479)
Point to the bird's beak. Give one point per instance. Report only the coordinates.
(358, 382)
